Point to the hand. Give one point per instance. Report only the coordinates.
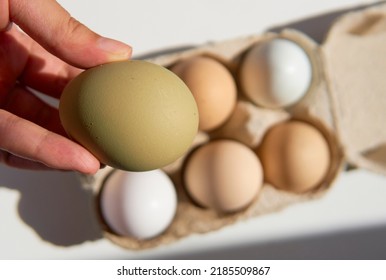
(55, 50)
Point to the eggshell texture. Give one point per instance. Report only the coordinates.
(223, 175)
(276, 73)
(132, 115)
(213, 88)
(138, 204)
(295, 156)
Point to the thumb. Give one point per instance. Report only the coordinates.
(52, 26)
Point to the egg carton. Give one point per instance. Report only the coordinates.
(346, 101)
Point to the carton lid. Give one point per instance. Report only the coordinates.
(354, 60)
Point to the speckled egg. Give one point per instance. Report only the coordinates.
(132, 115)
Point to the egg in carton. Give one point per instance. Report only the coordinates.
(345, 102)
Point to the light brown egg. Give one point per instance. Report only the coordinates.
(213, 88)
(224, 175)
(295, 156)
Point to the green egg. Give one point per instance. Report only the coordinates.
(132, 115)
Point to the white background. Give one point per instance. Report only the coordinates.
(46, 215)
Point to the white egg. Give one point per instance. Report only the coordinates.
(138, 204)
(276, 73)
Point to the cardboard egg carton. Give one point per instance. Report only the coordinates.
(346, 101)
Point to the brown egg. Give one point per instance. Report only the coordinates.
(212, 86)
(295, 156)
(224, 175)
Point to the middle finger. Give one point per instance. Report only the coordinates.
(27, 105)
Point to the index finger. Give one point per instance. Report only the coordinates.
(4, 14)
(53, 27)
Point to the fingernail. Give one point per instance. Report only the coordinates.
(115, 49)
(88, 164)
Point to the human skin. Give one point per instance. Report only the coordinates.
(52, 49)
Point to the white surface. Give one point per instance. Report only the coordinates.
(47, 214)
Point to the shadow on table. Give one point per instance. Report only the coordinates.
(54, 205)
(317, 26)
(363, 244)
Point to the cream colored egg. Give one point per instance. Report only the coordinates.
(224, 175)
